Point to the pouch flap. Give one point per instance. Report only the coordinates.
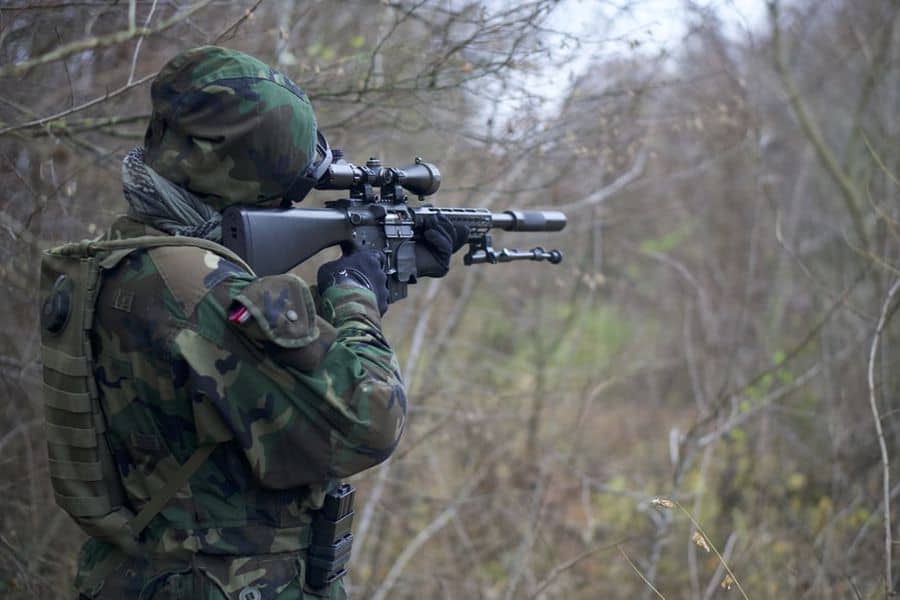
(282, 307)
(261, 577)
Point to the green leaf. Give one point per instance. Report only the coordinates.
(669, 241)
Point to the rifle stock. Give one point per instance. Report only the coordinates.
(276, 241)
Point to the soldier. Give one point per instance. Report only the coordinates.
(230, 404)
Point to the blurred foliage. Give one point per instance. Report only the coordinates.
(734, 231)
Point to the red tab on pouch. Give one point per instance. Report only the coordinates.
(239, 315)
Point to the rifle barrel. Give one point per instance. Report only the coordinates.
(529, 220)
(480, 220)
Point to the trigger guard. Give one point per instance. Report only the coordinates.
(405, 270)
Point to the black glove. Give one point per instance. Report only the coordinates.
(437, 239)
(358, 267)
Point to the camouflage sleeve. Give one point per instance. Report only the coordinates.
(307, 397)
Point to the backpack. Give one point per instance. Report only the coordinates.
(83, 474)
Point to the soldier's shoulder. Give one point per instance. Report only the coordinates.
(190, 273)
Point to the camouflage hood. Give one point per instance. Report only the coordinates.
(229, 128)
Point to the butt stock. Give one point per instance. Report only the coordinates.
(274, 241)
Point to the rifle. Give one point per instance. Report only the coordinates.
(276, 240)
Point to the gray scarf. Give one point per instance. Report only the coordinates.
(160, 203)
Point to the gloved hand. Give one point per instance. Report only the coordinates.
(437, 239)
(359, 267)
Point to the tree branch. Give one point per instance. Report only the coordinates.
(606, 192)
(849, 192)
(62, 114)
(93, 43)
(886, 472)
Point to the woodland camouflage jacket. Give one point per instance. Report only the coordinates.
(303, 391)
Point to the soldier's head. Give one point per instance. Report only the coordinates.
(231, 129)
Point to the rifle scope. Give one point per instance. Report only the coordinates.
(421, 178)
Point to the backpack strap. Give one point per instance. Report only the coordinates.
(95, 578)
(162, 496)
(119, 248)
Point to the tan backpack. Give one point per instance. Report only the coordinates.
(85, 480)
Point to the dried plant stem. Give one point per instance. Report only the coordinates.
(712, 547)
(565, 566)
(717, 579)
(885, 464)
(638, 571)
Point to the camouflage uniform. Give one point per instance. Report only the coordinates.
(304, 391)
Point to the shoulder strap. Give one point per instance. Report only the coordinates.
(157, 241)
(157, 502)
(120, 248)
(167, 492)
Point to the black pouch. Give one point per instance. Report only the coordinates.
(332, 541)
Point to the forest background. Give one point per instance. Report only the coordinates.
(715, 364)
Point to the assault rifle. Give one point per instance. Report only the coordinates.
(276, 240)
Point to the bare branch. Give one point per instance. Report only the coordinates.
(608, 191)
(565, 566)
(886, 471)
(137, 47)
(229, 31)
(65, 113)
(93, 43)
(436, 524)
(849, 191)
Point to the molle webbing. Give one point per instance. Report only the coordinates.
(81, 468)
(85, 480)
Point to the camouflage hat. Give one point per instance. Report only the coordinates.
(229, 128)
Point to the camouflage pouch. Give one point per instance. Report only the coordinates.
(263, 577)
(282, 307)
(279, 314)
